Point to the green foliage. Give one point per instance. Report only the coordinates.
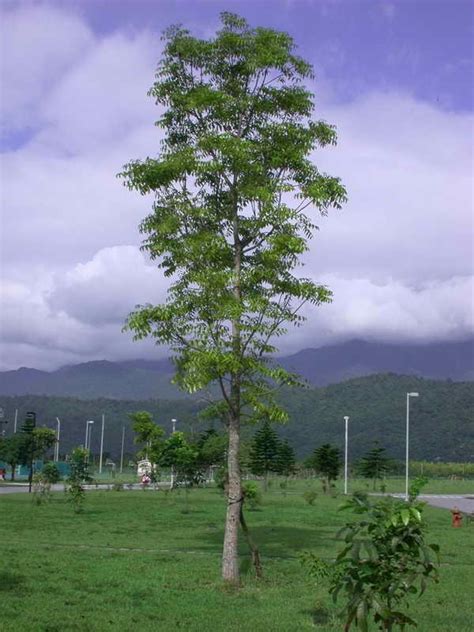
(416, 486)
(12, 450)
(384, 561)
(79, 474)
(252, 495)
(326, 461)
(286, 461)
(310, 496)
(211, 448)
(374, 464)
(183, 458)
(51, 473)
(264, 451)
(149, 434)
(238, 135)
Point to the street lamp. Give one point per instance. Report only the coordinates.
(101, 444)
(58, 431)
(346, 419)
(173, 421)
(408, 442)
(88, 433)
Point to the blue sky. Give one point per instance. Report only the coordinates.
(423, 46)
(395, 77)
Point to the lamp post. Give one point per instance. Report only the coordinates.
(88, 434)
(121, 453)
(173, 422)
(407, 453)
(346, 419)
(101, 444)
(58, 431)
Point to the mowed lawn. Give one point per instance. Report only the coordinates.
(138, 561)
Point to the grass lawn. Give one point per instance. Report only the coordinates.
(135, 561)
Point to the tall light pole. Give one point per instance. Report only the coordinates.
(173, 422)
(121, 453)
(88, 438)
(16, 420)
(407, 453)
(58, 431)
(101, 444)
(346, 419)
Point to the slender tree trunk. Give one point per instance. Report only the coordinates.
(230, 561)
(230, 557)
(251, 544)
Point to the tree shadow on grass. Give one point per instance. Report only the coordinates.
(281, 542)
(10, 581)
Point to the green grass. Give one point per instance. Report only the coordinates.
(134, 560)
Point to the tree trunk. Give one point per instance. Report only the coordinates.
(251, 544)
(230, 560)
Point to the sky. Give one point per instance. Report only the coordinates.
(395, 77)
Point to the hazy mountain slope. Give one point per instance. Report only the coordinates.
(143, 379)
(442, 424)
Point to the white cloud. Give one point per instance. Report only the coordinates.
(105, 289)
(398, 257)
(40, 43)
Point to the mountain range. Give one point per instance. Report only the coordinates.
(151, 379)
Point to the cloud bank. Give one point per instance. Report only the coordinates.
(398, 257)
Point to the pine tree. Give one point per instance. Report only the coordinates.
(374, 464)
(326, 460)
(285, 459)
(264, 452)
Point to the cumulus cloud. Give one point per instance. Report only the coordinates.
(398, 257)
(105, 289)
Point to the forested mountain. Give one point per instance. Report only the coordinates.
(442, 424)
(144, 379)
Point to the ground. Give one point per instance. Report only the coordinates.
(145, 560)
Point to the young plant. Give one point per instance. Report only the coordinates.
(385, 561)
(78, 475)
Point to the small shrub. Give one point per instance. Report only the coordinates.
(310, 496)
(383, 562)
(50, 473)
(252, 495)
(117, 487)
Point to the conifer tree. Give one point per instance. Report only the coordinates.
(265, 451)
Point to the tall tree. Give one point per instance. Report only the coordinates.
(286, 460)
(326, 461)
(149, 434)
(374, 464)
(228, 225)
(264, 452)
(35, 443)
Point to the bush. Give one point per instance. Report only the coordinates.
(50, 473)
(310, 496)
(251, 494)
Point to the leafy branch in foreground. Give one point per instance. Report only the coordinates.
(228, 226)
(384, 561)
